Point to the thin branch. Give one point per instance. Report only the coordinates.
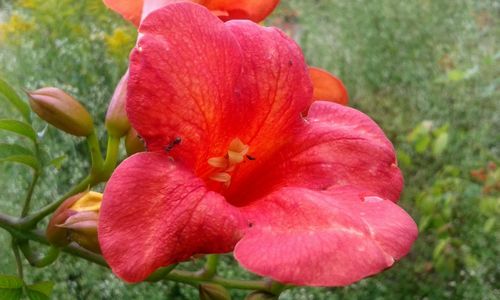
(29, 195)
(192, 278)
(17, 256)
(30, 221)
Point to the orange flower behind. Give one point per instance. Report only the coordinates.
(254, 10)
(328, 87)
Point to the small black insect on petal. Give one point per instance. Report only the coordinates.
(250, 157)
(172, 144)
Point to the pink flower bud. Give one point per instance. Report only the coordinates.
(117, 122)
(210, 291)
(76, 221)
(61, 110)
(133, 142)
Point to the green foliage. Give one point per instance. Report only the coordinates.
(40, 290)
(18, 127)
(425, 137)
(11, 287)
(7, 93)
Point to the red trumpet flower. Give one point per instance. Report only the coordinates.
(233, 165)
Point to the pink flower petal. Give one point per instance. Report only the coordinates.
(303, 237)
(156, 213)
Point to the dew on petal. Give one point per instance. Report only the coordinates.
(372, 199)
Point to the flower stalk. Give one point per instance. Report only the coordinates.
(19, 263)
(31, 220)
(29, 195)
(100, 172)
(210, 268)
(38, 259)
(95, 153)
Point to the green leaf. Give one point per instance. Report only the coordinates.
(58, 161)
(27, 160)
(422, 129)
(18, 154)
(438, 250)
(456, 75)
(8, 93)
(488, 225)
(10, 287)
(18, 127)
(404, 158)
(422, 143)
(439, 144)
(13, 149)
(40, 291)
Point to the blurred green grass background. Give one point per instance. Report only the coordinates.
(426, 70)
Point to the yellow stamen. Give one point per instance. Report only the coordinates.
(235, 154)
(234, 157)
(218, 162)
(237, 145)
(221, 177)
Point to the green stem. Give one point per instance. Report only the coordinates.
(210, 267)
(192, 278)
(195, 279)
(37, 259)
(261, 285)
(100, 171)
(95, 152)
(161, 273)
(31, 220)
(29, 195)
(19, 263)
(9, 223)
(109, 164)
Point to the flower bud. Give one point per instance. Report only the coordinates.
(117, 122)
(210, 291)
(76, 221)
(261, 296)
(133, 142)
(61, 110)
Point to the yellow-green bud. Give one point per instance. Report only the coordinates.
(258, 295)
(61, 110)
(211, 291)
(133, 142)
(76, 221)
(117, 122)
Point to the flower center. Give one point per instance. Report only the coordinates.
(225, 165)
